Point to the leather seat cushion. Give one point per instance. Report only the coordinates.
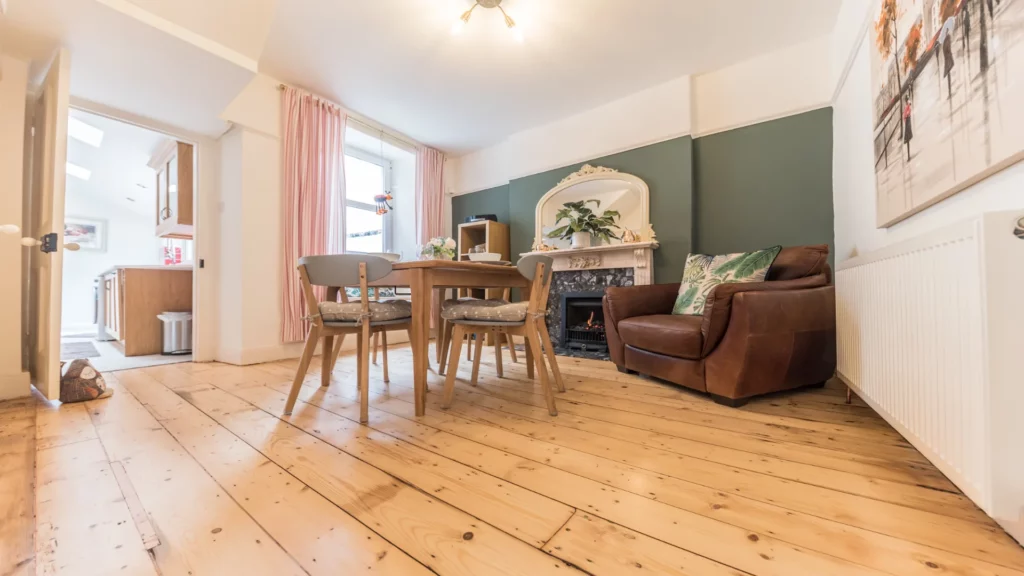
(379, 311)
(672, 335)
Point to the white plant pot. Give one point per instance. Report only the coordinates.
(581, 240)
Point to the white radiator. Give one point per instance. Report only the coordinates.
(931, 335)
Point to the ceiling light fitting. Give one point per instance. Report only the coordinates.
(485, 4)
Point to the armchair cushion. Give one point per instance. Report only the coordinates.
(702, 273)
(621, 303)
(673, 335)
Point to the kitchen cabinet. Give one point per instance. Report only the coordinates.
(131, 298)
(175, 180)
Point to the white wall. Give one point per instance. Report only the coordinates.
(853, 164)
(777, 84)
(646, 117)
(130, 241)
(13, 83)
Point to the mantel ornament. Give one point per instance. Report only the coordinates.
(587, 170)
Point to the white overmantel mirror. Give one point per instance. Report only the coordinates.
(624, 193)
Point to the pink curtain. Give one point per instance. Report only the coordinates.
(429, 194)
(313, 170)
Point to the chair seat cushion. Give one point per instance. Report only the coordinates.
(668, 334)
(379, 311)
(486, 311)
(454, 301)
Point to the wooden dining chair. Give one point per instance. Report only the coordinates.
(447, 328)
(331, 318)
(525, 319)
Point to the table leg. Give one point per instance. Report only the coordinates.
(435, 315)
(420, 317)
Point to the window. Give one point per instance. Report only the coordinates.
(366, 176)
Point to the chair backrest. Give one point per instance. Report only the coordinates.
(800, 262)
(343, 269)
(528, 266)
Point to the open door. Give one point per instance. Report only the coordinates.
(44, 214)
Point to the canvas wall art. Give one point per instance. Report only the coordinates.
(88, 233)
(947, 83)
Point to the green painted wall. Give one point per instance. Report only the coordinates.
(490, 201)
(766, 184)
(735, 191)
(667, 169)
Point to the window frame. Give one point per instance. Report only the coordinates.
(385, 164)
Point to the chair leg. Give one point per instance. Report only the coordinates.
(446, 343)
(300, 372)
(529, 359)
(326, 362)
(497, 355)
(849, 395)
(477, 353)
(384, 353)
(364, 375)
(458, 336)
(469, 349)
(376, 343)
(546, 338)
(511, 348)
(533, 341)
(338, 341)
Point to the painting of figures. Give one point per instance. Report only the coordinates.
(948, 88)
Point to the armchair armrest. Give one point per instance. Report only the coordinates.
(718, 307)
(630, 302)
(776, 340)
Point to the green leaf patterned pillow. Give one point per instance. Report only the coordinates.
(703, 272)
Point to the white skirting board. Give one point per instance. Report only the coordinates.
(931, 335)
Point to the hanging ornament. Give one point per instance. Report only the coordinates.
(383, 201)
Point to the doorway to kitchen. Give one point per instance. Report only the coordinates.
(127, 288)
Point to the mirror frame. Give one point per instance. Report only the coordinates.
(590, 173)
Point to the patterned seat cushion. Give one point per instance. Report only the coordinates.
(454, 301)
(379, 311)
(486, 311)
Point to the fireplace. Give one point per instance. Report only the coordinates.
(583, 322)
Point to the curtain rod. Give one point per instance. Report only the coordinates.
(364, 123)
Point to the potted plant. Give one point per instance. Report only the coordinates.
(583, 224)
(439, 248)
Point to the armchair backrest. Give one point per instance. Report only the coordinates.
(797, 262)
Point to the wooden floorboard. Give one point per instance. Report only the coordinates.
(634, 476)
(17, 480)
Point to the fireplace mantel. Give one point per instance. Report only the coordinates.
(636, 255)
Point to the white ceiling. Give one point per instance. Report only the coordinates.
(120, 176)
(396, 61)
(122, 63)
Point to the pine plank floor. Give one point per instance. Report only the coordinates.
(192, 469)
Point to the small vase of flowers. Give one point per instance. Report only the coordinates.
(439, 248)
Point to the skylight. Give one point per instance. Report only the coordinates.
(84, 132)
(78, 172)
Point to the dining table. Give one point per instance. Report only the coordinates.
(427, 278)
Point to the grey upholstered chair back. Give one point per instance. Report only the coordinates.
(343, 269)
(528, 266)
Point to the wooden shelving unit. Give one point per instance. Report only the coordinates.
(493, 235)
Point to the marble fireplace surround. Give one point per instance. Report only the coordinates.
(565, 282)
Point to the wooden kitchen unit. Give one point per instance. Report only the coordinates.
(131, 298)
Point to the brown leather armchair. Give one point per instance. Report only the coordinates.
(752, 339)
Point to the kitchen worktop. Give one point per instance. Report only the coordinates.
(149, 267)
